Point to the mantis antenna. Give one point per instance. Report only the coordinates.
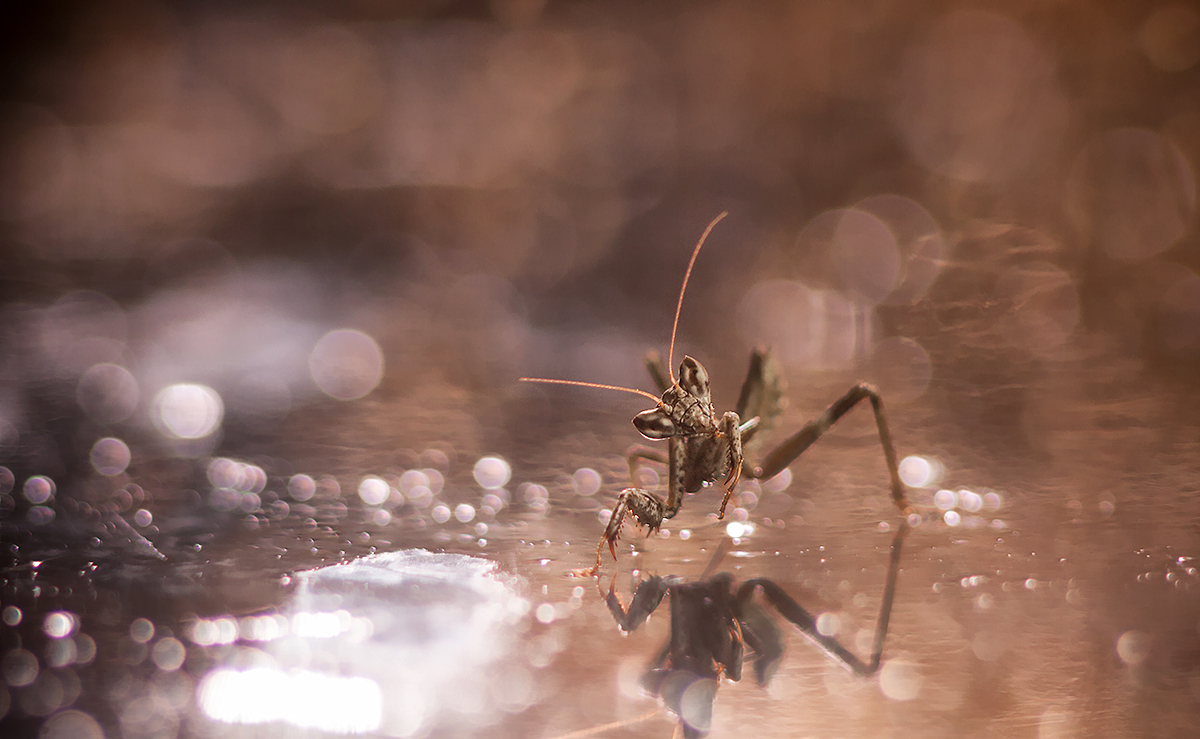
(674, 327)
(589, 384)
(683, 289)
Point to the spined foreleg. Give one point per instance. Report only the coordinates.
(646, 509)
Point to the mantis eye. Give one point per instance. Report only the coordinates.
(654, 424)
(694, 378)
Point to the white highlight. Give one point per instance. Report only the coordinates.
(900, 680)
(440, 514)
(828, 624)
(492, 473)
(321, 625)
(206, 633)
(373, 490)
(340, 705)
(945, 499)
(187, 411)
(970, 501)
(917, 472)
(302, 487)
(58, 625)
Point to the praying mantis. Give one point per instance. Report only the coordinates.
(703, 447)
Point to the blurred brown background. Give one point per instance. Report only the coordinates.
(492, 189)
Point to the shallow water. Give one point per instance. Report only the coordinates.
(1059, 599)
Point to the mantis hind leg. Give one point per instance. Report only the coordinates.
(797, 443)
(761, 396)
(640, 452)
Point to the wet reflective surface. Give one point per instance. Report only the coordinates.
(266, 468)
(1058, 600)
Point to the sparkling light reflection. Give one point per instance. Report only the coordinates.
(492, 473)
(324, 624)
(586, 481)
(38, 489)
(302, 487)
(110, 456)
(806, 327)
(373, 490)
(206, 633)
(829, 624)
(346, 364)
(917, 472)
(900, 680)
(341, 705)
(739, 529)
(187, 411)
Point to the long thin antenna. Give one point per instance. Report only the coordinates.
(683, 289)
(589, 384)
(594, 730)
